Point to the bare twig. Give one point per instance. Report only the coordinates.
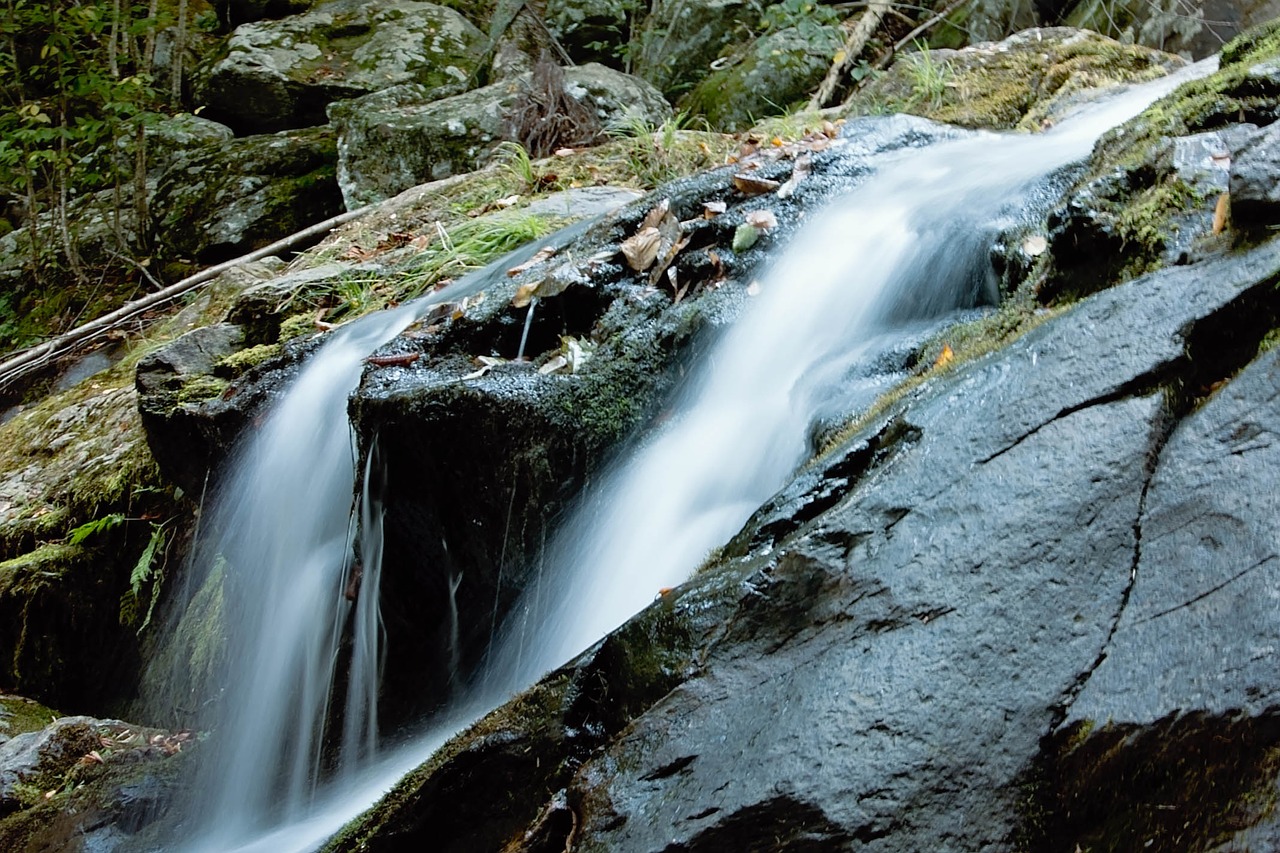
(33, 358)
(929, 23)
(853, 47)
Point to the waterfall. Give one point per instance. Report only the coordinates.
(908, 244)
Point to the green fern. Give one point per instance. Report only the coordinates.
(92, 528)
(147, 571)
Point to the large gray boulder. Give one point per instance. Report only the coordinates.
(393, 140)
(774, 72)
(223, 200)
(282, 74)
(995, 618)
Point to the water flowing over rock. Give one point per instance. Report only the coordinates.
(282, 74)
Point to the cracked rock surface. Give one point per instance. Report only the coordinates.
(1028, 607)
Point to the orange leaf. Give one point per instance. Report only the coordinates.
(945, 357)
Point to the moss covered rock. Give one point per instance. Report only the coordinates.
(1014, 83)
(774, 72)
(679, 39)
(391, 141)
(1156, 189)
(85, 784)
(282, 74)
(228, 199)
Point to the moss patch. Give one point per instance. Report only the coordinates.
(1188, 783)
(1016, 84)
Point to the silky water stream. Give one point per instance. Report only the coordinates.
(908, 244)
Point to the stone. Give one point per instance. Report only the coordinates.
(1255, 179)
(48, 752)
(277, 75)
(941, 593)
(393, 140)
(225, 200)
(774, 72)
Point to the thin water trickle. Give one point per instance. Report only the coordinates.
(910, 243)
(528, 324)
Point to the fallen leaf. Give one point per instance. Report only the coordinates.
(1221, 213)
(800, 171)
(641, 248)
(712, 209)
(400, 360)
(565, 152)
(830, 130)
(487, 363)
(762, 220)
(509, 201)
(945, 357)
(538, 257)
(553, 283)
(748, 185)
(745, 236)
(1034, 245)
(655, 216)
(557, 363)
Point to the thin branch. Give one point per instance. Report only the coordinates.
(853, 47)
(33, 358)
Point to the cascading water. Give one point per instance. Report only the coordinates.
(909, 243)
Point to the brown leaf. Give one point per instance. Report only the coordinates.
(1221, 213)
(749, 185)
(400, 360)
(641, 249)
(762, 220)
(712, 209)
(655, 216)
(800, 171)
(538, 257)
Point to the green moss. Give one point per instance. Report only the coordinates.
(239, 362)
(37, 568)
(296, 326)
(1189, 782)
(200, 388)
(19, 715)
(1147, 221)
(1018, 87)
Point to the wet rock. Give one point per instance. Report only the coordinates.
(391, 141)
(49, 752)
(282, 74)
(1255, 176)
(938, 593)
(228, 199)
(84, 784)
(1019, 82)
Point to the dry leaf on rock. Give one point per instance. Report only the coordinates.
(712, 209)
(641, 248)
(1034, 245)
(487, 363)
(801, 170)
(538, 257)
(749, 185)
(762, 220)
(745, 236)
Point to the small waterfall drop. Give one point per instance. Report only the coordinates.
(909, 243)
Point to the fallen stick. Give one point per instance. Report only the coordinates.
(34, 357)
(853, 47)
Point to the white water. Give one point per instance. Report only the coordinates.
(907, 244)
